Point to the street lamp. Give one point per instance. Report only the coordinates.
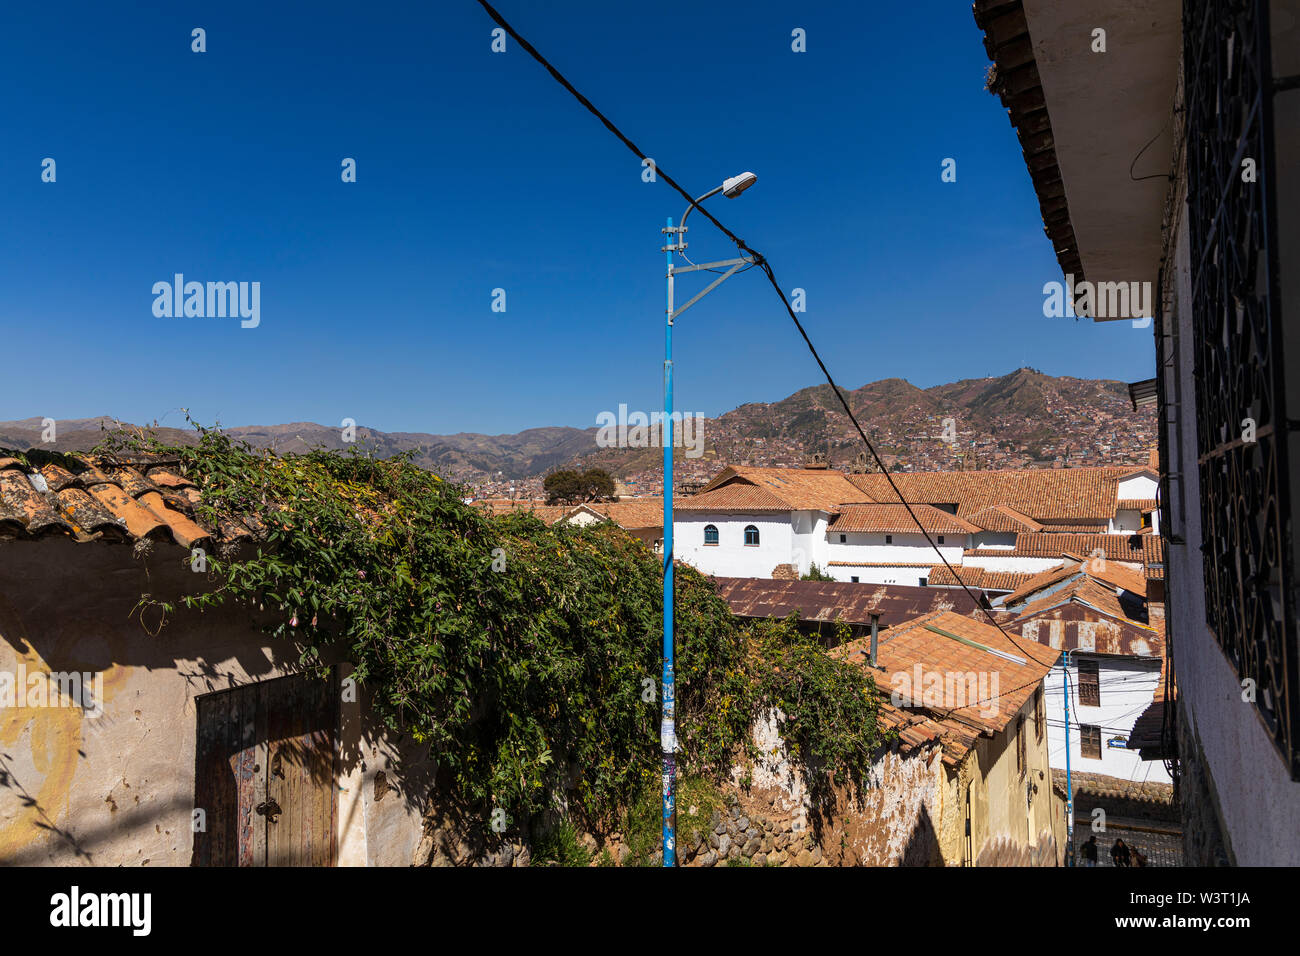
(731, 188)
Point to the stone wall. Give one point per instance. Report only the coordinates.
(1203, 843)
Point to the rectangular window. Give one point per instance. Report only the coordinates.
(941, 539)
(1040, 713)
(1090, 741)
(889, 539)
(854, 580)
(843, 538)
(1089, 684)
(1020, 746)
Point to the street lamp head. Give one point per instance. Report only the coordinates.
(733, 187)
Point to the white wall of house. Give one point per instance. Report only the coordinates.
(1126, 687)
(876, 547)
(1126, 521)
(731, 557)
(1032, 565)
(808, 539)
(1138, 486)
(909, 576)
(994, 539)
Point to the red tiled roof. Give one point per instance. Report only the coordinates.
(631, 513)
(800, 489)
(1002, 518)
(943, 643)
(1115, 547)
(739, 497)
(976, 577)
(105, 498)
(1144, 505)
(1041, 580)
(1067, 494)
(887, 517)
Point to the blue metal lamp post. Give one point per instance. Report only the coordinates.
(731, 188)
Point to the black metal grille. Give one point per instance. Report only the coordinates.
(1236, 312)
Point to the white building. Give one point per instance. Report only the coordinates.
(1000, 526)
(1096, 610)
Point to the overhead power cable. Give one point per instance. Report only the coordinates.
(760, 261)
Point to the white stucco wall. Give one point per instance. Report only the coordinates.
(731, 557)
(1031, 565)
(1126, 521)
(994, 539)
(1126, 688)
(1138, 487)
(808, 539)
(904, 548)
(880, 575)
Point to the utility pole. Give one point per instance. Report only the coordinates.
(1069, 789)
(731, 188)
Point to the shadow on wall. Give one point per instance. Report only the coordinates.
(72, 608)
(923, 845)
(1002, 851)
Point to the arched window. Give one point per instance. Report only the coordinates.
(751, 535)
(710, 534)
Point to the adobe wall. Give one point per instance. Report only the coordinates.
(118, 788)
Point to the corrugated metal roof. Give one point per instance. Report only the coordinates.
(837, 600)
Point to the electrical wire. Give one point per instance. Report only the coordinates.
(762, 263)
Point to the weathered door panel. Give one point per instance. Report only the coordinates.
(265, 774)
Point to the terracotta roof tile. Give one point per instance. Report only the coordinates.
(631, 513)
(185, 532)
(944, 643)
(976, 577)
(1144, 505)
(57, 478)
(1002, 518)
(87, 516)
(23, 507)
(140, 522)
(1116, 547)
(168, 478)
(738, 496)
(1067, 494)
(895, 518)
(799, 489)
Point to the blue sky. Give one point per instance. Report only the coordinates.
(477, 171)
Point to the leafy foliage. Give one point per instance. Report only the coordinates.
(816, 574)
(528, 656)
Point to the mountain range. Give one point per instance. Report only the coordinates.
(1014, 420)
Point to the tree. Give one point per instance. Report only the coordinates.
(570, 486)
(562, 486)
(597, 483)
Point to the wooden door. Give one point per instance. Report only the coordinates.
(265, 774)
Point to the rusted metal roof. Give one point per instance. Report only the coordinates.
(1080, 618)
(828, 601)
